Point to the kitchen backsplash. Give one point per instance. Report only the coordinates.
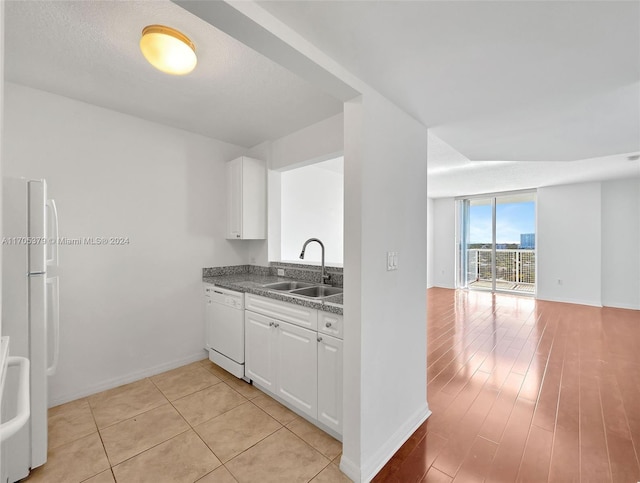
(307, 273)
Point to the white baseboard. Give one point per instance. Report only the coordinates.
(126, 379)
(590, 303)
(374, 464)
(443, 285)
(349, 468)
(622, 305)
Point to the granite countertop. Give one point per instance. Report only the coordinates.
(254, 283)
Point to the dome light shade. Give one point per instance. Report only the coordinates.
(168, 50)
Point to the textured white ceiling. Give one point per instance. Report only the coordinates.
(515, 81)
(88, 50)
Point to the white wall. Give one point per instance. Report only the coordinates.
(430, 243)
(385, 311)
(568, 243)
(621, 243)
(444, 233)
(126, 311)
(319, 142)
(312, 205)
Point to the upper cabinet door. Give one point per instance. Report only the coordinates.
(246, 199)
(234, 199)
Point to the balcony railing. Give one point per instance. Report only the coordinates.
(515, 269)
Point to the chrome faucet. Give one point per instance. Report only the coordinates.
(326, 278)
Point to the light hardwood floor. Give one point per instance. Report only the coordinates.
(526, 390)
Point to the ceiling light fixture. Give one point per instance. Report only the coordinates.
(168, 50)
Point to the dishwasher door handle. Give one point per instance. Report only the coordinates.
(16, 423)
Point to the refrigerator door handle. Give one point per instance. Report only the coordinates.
(55, 299)
(52, 242)
(14, 425)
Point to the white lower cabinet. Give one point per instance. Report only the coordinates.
(297, 369)
(301, 367)
(260, 350)
(283, 359)
(330, 382)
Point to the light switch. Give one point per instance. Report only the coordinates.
(392, 261)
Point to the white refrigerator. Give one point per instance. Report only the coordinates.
(30, 314)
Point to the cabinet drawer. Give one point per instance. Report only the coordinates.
(295, 314)
(330, 324)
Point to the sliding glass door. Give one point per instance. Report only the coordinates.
(496, 240)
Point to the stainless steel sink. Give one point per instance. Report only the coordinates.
(286, 286)
(317, 292)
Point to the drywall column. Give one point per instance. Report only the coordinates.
(1, 132)
(385, 311)
(621, 243)
(569, 247)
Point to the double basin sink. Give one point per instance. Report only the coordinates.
(304, 289)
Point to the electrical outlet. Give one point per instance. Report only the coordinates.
(559, 281)
(281, 272)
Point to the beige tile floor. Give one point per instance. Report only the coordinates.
(194, 423)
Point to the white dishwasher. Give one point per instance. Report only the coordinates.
(225, 328)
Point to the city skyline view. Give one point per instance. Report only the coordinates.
(512, 220)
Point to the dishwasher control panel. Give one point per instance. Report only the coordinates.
(224, 296)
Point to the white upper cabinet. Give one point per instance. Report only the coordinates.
(246, 199)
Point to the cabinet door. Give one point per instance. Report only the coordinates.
(330, 382)
(298, 367)
(234, 199)
(260, 350)
(254, 199)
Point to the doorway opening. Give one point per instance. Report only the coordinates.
(497, 243)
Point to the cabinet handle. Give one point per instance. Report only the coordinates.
(276, 325)
(319, 339)
(237, 236)
(327, 325)
(271, 324)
